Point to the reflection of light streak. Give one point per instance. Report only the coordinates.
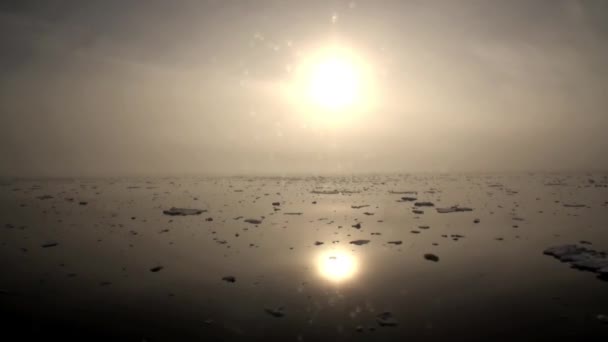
(337, 265)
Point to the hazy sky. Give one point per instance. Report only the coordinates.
(93, 88)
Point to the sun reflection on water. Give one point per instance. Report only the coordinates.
(337, 265)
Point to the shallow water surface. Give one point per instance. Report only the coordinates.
(98, 258)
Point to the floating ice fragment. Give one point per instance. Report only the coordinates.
(183, 211)
(156, 269)
(230, 279)
(574, 205)
(407, 199)
(581, 258)
(386, 319)
(325, 192)
(453, 209)
(278, 312)
(431, 257)
(359, 206)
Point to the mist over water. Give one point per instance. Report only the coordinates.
(117, 88)
(304, 170)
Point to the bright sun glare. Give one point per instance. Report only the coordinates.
(334, 83)
(332, 80)
(337, 266)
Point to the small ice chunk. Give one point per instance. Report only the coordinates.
(183, 211)
(386, 319)
(325, 192)
(589, 262)
(563, 251)
(230, 279)
(574, 205)
(431, 257)
(407, 199)
(453, 209)
(156, 269)
(359, 206)
(581, 258)
(278, 312)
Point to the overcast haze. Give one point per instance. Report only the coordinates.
(193, 87)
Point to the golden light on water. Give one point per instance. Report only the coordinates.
(337, 266)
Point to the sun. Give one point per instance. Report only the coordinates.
(334, 83)
(331, 81)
